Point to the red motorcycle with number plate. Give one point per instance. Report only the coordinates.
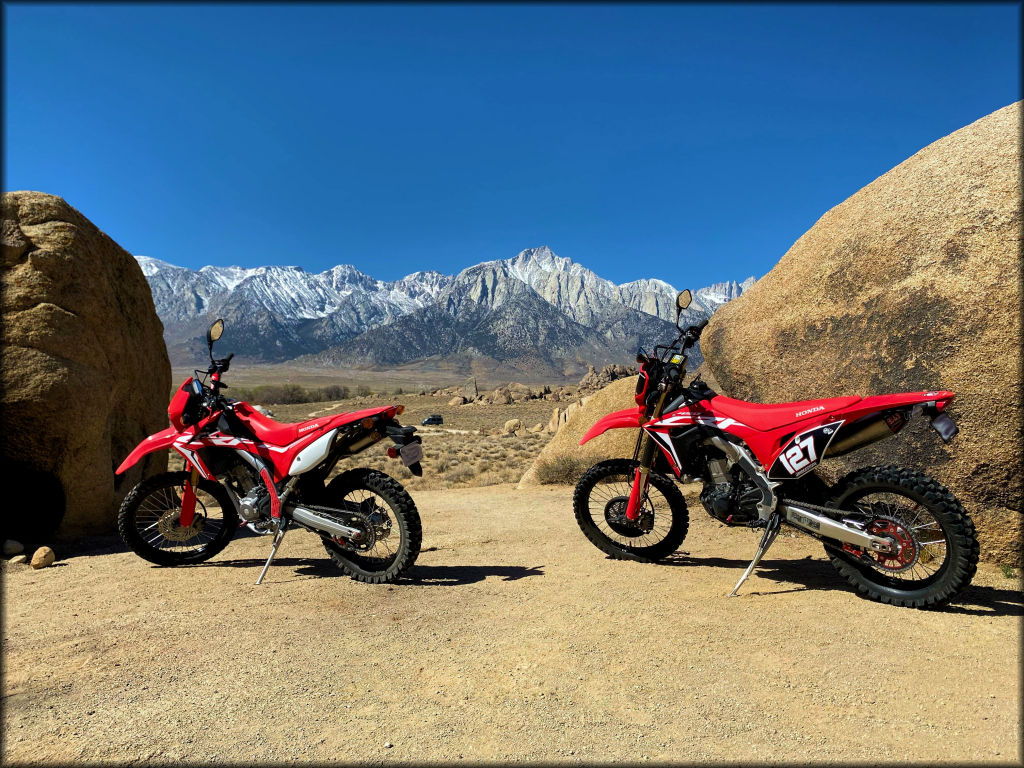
(896, 534)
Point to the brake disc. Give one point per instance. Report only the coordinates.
(172, 530)
(615, 516)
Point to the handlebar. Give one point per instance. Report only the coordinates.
(220, 366)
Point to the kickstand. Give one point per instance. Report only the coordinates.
(771, 529)
(282, 529)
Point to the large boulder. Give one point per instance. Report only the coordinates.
(913, 283)
(564, 449)
(84, 370)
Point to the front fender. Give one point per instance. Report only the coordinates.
(155, 442)
(627, 419)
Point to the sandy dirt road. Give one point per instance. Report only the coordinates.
(518, 640)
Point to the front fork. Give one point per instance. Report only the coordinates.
(188, 500)
(641, 478)
(645, 454)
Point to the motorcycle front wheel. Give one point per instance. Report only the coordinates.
(382, 508)
(148, 520)
(600, 501)
(935, 552)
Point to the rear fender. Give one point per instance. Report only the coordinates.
(630, 418)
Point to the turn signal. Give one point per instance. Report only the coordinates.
(368, 423)
(399, 410)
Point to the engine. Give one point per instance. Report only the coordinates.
(255, 504)
(734, 499)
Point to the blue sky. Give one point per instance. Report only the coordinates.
(693, 143)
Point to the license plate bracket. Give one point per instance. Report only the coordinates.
(411, 453)
(945, 426)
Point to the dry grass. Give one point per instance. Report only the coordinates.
(463, 452)
(562, 469)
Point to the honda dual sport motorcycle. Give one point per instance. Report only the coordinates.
(895, 534)
(242, 468)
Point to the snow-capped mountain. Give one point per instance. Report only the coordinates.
(536, 307)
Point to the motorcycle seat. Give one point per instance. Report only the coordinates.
(764, 417)
(265, 428)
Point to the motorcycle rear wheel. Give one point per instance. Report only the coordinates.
(918, 509)
(375, 493)
(599, 504)
(148, 520)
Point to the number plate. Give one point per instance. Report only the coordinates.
(411, 453)
(945, 426)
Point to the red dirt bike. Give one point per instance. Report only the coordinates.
(242, 468)
(895, 534)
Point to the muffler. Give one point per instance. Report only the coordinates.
(826, 527)
(314, 520)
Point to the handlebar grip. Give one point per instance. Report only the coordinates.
(704, 324)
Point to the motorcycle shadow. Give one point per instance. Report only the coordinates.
(813, 574)
(425, 575)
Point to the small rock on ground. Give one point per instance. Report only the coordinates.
(43, 557)
(12, 547)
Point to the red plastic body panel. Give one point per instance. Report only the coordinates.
(767, 443)
(177, 405)
(629, 418)
(155, 442)
(277, 455)
(765, 417)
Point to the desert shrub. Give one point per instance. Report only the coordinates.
(500, 474)
(462, 474)
(334, 392)
(562, 470)
(288, 394)
(363, 391)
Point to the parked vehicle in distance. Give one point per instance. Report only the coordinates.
(432, 420)
(244, 468)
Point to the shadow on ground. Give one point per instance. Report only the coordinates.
(810, 574)
(427, 575)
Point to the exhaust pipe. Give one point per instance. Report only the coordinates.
(820, 525)
(319, 522)
(867, 431)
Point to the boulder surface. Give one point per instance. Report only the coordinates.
(615, 443)
(913, 283)
(84, 370)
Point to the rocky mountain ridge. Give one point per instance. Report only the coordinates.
(536, 310)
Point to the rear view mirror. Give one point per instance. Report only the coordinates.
(683, 300)
(215, 332)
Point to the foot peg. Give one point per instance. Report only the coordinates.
(279, 533)
(771, 530)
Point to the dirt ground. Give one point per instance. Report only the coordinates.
(513, 640)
